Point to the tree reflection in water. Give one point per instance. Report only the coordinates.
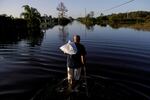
(63, 33)
(33, 36)
(90, 27)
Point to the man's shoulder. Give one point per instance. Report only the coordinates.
(82, 48)
(79, 44)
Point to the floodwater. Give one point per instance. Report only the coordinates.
(120, 55)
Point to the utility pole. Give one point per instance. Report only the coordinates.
(85, 12)
(85, 15)
(127, 15)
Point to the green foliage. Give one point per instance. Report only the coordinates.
(8, 22)
(131, 17)
(137, 17)
(87, 20)
(61, 21)
(102, 20)
(32, 16)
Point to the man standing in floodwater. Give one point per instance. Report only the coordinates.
(75, 62)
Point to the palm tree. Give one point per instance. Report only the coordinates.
(32, 16)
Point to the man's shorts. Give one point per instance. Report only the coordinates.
(74, 74)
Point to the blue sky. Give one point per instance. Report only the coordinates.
(75, 7)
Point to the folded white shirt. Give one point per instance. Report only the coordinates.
(69, 48)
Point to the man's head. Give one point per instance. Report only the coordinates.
(76, 38)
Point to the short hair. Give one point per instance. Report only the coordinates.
(77, 38)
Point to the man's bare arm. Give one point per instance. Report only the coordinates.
(83, 59)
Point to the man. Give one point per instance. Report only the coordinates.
(75, 62)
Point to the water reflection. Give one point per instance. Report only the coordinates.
(119, 58)
(63, 33)
(90, 27)
(103, 25)
(138, 27)
(9, 37)
(33, 36)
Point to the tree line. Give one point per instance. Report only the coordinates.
(120, 18)
(30, 25)
(30, 18)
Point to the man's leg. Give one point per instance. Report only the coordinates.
(70, 75)
(77, 74)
